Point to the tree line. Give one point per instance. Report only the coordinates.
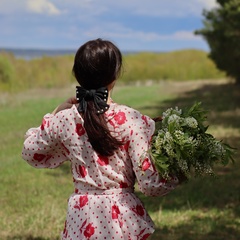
(46, 72)
(222, 32)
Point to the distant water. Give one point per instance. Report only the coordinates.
(29, 54)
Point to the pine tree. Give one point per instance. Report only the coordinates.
(222, 32)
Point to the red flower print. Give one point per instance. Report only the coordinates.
(112, 123)
(144, 118)
(44, 123)
(89, 230)
(139, 210)
(81, 170)
(146, 164)
(126, 145)
(65, 231)
(115, 212)
(80, 129)
(120, 118)
(123, 185)
(83, 200)
(102, 161)
(163, 181)
(145, 237)
(68, 152)
(120, 223)
(47, 158)
(39, 157)
(84, 223)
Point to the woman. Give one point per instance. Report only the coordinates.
(107, 146)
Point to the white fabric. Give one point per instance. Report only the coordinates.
(103, 205)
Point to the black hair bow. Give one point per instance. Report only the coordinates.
(98, 96)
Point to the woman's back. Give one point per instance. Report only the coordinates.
(107, 145)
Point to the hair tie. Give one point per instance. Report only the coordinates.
(98, 96)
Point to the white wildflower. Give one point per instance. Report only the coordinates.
(174, 119)
(170, 151)
(171, 111)
(168, 137)
(192, 141)
(179, 135)
(159, 142)
(191, 122)
(218, 149)
(183, 165)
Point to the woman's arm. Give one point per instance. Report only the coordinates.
(42, 147)
(149, 181)
(65, 105)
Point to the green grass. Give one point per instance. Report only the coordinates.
(33, 202)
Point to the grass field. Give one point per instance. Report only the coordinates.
(33, 202)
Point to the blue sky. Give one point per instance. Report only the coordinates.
(133, 25)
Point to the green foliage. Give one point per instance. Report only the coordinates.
(49, 72)
(6, 71)
(182, 145)
(45, 72)
(221, 31)
(178, 66)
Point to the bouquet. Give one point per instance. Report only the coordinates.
(182, 147)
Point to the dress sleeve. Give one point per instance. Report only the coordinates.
(41, 148)
(149, 181)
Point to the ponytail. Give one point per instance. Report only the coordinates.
(97, 64)
(98, 133)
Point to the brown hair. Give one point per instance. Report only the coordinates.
(97, 64)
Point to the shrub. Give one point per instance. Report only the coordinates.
(6, 70)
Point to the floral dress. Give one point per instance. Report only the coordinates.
(103, 205)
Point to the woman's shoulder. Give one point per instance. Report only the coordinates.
(125, 108)
(70, 114)
(121, 108)
(132, 114)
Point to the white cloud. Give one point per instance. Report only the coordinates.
(159, 8)
(22, 6)
(84, 19)
(208, 4)
(42, 6)
(115, 31)
(174, 8)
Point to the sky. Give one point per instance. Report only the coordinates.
(133, 25)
